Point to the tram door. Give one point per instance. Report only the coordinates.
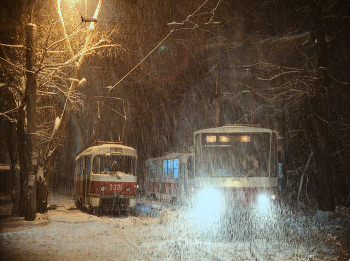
(86, 180)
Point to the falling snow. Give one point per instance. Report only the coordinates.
(163, 231)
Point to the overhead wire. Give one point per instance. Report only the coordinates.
(110, 88)
(155, 48)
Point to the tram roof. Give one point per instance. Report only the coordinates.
(171, 155)
(106, 148)
(236, 128)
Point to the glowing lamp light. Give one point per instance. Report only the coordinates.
(88, 19)
(263, 202)
(208, 207)
(245, 138)
(224, 139)
(211, 138)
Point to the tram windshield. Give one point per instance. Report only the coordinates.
(110, 164)
(233, 155)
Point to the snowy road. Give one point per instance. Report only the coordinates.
(74, 235)
(168, 234)
(67, 237)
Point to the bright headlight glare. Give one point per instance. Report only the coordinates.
(263, 201)
(273, 196)
(208, 206)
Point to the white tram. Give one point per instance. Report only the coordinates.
(239, 162)
(105, 178)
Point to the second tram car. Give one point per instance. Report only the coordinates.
(168, 176)
(240, 162)
(105, 178)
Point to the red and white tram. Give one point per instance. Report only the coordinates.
(241, 162)
(105, 178)
(238, 162)
(168, 176)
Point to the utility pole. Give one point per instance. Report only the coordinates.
(30, 97)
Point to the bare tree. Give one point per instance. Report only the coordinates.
(59, 61)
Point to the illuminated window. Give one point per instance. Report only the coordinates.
(165, 169)
(176, 168)
(171, 168)
(244, 138)
(224, 139)
(211, 138)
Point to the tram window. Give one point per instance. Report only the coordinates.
(152, 168)
(182, 171)
(171, 168)
(176, 168)
(88, 166)
(233, 154)
(96, 165)
(113, 163)
(165, 169)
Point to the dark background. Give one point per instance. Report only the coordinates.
(260, 56)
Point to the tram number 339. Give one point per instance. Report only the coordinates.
(115, 186)
(239, 195)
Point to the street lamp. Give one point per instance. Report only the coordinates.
(88, 19)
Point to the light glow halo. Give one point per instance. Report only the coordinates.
(208, 207)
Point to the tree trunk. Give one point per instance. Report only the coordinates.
(41, 196)
(320, 120)
(22, 159)
(30, 96)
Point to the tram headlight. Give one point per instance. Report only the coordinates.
(208, 206)
(263, 201)
(103, 188)
(128, 189)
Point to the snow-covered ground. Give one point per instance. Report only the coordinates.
(162, 231)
